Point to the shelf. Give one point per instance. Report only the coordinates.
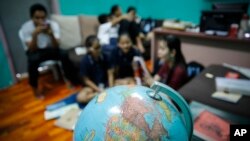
(199, 35)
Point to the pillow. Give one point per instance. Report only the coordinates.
(70, 31)
(89, 26)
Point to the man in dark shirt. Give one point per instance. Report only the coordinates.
(93, 70)
(121, 60)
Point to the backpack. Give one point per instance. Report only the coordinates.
(194, 68)
(147, 25)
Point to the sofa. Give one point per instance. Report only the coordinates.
(74, 31)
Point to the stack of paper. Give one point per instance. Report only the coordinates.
(69, 119)
(231, 90)
(240, 86)
(80, 50)
(60, 111)
(230, 97)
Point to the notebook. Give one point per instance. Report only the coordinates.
(69, 119)
(209, 126)
(60, 111)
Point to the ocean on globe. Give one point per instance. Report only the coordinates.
(125, 113)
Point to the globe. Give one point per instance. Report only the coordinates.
(124, 113)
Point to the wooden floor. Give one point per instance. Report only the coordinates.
(21, 115)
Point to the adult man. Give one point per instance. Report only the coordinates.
(41, 38)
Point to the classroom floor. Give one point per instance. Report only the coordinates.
(21, 115)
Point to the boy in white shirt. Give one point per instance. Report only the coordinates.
(108, 30)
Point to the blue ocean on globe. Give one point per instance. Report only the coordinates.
(131, 113)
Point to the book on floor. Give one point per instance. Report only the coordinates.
(60, 111)
(69, 119)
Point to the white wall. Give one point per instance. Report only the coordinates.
(207, 51)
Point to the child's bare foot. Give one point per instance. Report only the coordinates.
(38, 94)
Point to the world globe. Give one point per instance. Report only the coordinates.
(125, 113)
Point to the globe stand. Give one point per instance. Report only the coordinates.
(159, 87)
(155, 94)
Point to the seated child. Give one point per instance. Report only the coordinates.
(170, 67)
(121, 62)
(93, 69)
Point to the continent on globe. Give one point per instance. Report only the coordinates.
(134, 110)
(101, 97)
(119, 128)
(89, 136)
(166, 110)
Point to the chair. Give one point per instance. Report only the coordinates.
(46, 65)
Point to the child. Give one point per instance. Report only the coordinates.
(170, 67)
(93, 70)
(132, 28)
(108, 30)
(121, 61)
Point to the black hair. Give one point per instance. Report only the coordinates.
(123, 34)
(114, 8)
(37, 7)
(90, 40)
(174, 43)
(103, 18)
(131, 8)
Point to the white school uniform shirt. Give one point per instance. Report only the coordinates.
(43, 40)
(106, 31)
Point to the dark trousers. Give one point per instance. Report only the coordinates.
(38, 56)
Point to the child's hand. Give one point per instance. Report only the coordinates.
(99, 90)
(128, 17)
(39, 29)
(125, 81)
(48, 29)
(148, 80)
